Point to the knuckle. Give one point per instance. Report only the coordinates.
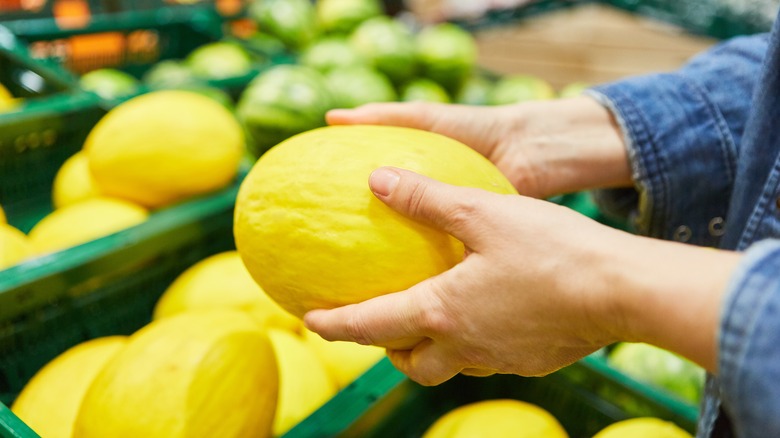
(414, 203)
(357, 331)
(436, 319)
(465, 211)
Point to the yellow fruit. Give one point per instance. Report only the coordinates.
(5, 94)
(304, 383)
(222, 281)
(345, 361)
(7, 100)
(51, 400)
(497, 419)
(165, 146)
(73, 182)
(645, 427)
(313, 235)
(199, 374)
(14, 246)
(84, 221)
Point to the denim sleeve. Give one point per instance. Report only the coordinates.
(749, 342)
(683, 130)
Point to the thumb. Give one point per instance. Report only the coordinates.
(453, 209)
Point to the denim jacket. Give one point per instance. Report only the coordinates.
(704, 148)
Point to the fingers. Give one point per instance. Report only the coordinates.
(443, 206)
(426, 364)
(393, 321)
(412, 115)
(429, 364)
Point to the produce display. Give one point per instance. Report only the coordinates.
(224, 351)
(349, 53)
(209, 316)
(142, 155)
(519, 419)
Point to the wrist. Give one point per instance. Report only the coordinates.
(575, 144)
(668, 294)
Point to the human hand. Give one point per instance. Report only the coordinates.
(544, 148)
(520, 301)
(539, 287)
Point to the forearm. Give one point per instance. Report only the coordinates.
(667, 294)
(575, 144)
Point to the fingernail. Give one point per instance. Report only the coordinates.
(383, 180)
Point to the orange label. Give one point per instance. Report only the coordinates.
(83, 53)
(71, 14)
(243, 28)
(89, 52)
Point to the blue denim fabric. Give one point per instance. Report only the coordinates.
(683, 130)
(704, 146)
(749, 362)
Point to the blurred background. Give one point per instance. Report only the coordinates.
(74, 268)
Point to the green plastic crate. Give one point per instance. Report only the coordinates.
(49, 125)
(134, 41)
(585, 397)
(104, 287)
(47, 131)
(225, 8)
(12, 427)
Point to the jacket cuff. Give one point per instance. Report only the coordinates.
(681, 155)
